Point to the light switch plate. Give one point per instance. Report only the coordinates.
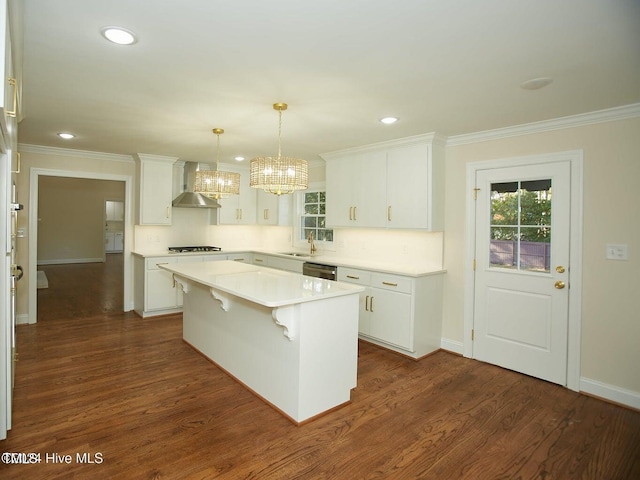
(617, 251)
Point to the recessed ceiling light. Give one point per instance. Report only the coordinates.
(66, 136)
(388, 120)
(118, 35)
(536, 83)
(239, 158)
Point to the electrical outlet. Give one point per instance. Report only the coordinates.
(617, 252)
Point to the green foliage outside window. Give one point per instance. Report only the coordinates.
(313, 219)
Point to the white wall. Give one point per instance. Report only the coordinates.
(610, 315)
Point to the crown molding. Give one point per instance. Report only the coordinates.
(69, 152)
(431, 138)
(599, 116)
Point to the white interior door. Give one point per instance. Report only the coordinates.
(521, 301)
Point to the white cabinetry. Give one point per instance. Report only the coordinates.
(267, 209)
(155, 189)
(280, 263)
(113, 242)
(241, 257)
(398, 312)
(238, 209)
(154, 290)
(115, 211)
(398, 184)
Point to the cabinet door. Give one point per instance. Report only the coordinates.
(238, 209)
(359, 277)
(339, 174)
(160, 292)
(370, 186)
(118, 241)
(391, 319)
(156, 190)
(356, 190)
(267, 211)
(408, 187)
(109, 242)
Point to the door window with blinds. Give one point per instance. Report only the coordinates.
(521, 225)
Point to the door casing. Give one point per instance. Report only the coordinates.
(575, 157)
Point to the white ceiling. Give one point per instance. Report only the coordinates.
(446, 66)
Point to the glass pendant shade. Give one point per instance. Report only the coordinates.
(277, 174)
(217, 184)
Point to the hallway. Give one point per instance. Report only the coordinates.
(82, 289)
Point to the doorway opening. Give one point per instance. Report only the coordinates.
(72, 256)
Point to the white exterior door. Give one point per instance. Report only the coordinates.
(522, 239)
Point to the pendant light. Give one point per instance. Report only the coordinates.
(215, 183)
(279, 175)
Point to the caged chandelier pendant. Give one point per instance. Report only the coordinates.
(216, 183)
(279, 175)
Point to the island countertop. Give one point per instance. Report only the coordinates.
(261, 285)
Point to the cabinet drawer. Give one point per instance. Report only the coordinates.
(391, 282)
(353, 275)
(152, 263)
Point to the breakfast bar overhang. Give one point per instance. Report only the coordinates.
(289, 338)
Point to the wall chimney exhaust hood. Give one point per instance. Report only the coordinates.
(190, 199)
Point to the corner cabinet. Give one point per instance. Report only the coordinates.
(399, 312)
(154, 189)
(397, 184)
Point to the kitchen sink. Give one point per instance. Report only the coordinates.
(296, 254)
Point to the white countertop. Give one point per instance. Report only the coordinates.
(261, 285)
(411, 270)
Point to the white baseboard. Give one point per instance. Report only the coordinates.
(22, 319)
(452, 346)
(71, 260)
(611, 393)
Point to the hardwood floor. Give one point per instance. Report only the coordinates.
(132, 395)
(82, 289)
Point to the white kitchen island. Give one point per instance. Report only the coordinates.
(289, 338)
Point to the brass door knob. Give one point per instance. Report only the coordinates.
(559, 285)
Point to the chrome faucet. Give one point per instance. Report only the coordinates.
(312, 249)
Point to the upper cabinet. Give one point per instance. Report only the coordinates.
(396, 184)
(238, 209)
(154, 188)
(11, 75)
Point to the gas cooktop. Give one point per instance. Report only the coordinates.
(203, 248)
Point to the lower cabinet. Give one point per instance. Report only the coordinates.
(154, 290)
(113, 242)
(398, 312)
(279, 263)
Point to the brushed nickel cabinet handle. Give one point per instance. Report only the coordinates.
(389, 213)
(390, 284)
(354, 277)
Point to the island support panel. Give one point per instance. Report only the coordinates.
(303, 368)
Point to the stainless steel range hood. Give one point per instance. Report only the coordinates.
(190, 199)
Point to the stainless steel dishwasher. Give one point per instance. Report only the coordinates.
(319, 270)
